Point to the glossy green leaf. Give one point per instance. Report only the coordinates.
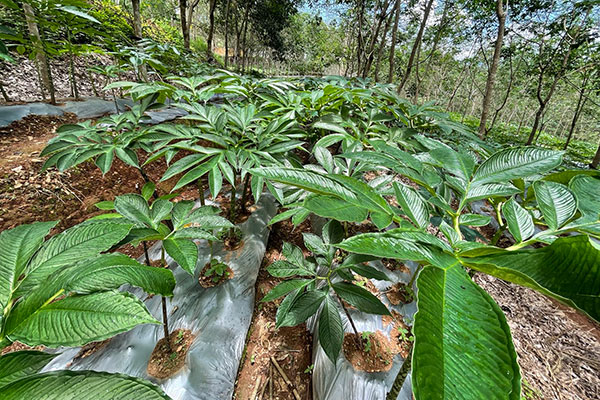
(519, 221)
(184, 252)
(360, 298)
(516, 162)
(331, 330)
(556, 202)
(463, 347)
(302, 307)
(84, 319)
(412, 204)
(82, 385)
(20, 364)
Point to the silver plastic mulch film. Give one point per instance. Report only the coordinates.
(219, 317)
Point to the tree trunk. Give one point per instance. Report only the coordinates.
(227, 33)
(580, 104)
(185, 31)
(211, 28)
(393, 43)
(137, 19)
(489, 85)
(436, 42)
(190, 18)
(369, 55)
(596, 160)
(4, 94)
(416, 45)
(382, 46)
(244, 47)
(40, 53)
(359, 39)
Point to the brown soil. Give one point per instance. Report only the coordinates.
(208, 282)
(291, 347)
(399, 293)
(401, 335)
(88, 350)
(558, 348)
(379, 356)
(166, 361)
(395, 265)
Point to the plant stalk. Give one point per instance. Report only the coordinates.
(163, 299)
(401, 377)
(358, 338)
(201, 191)
(245, 191)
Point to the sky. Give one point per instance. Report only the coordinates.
(329, 13)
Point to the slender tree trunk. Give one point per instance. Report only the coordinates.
(185, 31)
(227, 33)
(137, 19)
(580, 104)
(40, 53)
(360, 38)
(415, 47)
(211, 28)
(388, 22)
(244, 43)
(393, 43)
(436, 42)
(489, 85)
(596, 160)
(190, 18)
(370, 53)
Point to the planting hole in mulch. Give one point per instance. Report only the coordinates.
(166, 361)
(376, 353)
(401, 336)
(214, 273)
(400, 293)
(395, 265)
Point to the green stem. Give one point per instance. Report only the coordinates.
(412, 279)
(232, 204)
(164, 305)
(350, 320)
(245, 191)
(456, 223)
(497, 236)
(201, 191)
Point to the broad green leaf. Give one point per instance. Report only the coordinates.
(366, 196)
(568, 270)
(307, 180)
(83, 319)
(104, 161)
(148, 190)
(17, 245)
(463, 347)
(135, 208)
(461, 165)
(332, 232)
(556, 202)
(324, 158)
(105, 205)
(78, 243)
(314, 243)
(160, 210)
(110, 271)
(184, 252)
(412, 204)
(335, 208)
(286, 287)
(360, 298)
(587, 191)
(284, 269)
(331, 330)
(302, 307)
(517, 162)
(487, 190)
(20, 364)
(474, 219)
(82, 385)
(386, 246)
(520, 222)
(195, 173)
